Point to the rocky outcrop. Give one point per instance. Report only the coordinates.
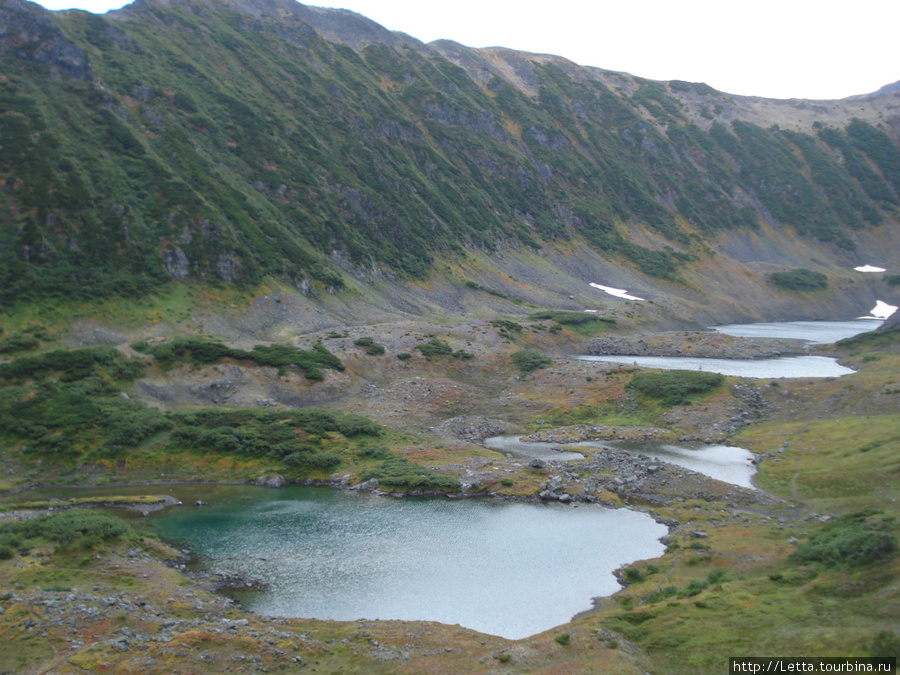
(473, 429)
(27, 32)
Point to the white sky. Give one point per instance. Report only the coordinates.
(821, 49)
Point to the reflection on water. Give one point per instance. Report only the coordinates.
(505, 569)
(794, 366)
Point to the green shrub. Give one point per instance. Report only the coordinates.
(632, 575)
(528, 360)
(569, 318)
(676, 387)
(849, 541)
(404, 356)
(800, 280)
(397, 473)
(434, 348)
(18, 343)
(364, 342)
(374, 452)
(82, 528)
(563, 639)
(507, 482)
(885, 644)
(7, 553)
(695, 587)
(205, 352)
(661, 594)
(375, 350)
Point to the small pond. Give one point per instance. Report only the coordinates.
(789, 366)
(816, 332)
(727, 463)
(514, 445)
(507, 569)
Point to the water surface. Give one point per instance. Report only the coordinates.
(727, 463)
(507, 569)
(790, 366)
(514, 445)
(816, 332)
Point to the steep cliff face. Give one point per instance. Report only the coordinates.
(230, 139)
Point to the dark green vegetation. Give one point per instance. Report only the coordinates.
(586, 323)
(398, 474)
(66, 407)
(800, 280)
(528, 360)
(81, 528)
(436, 347)
(200, 352)
(852, 540)
(676, 387)
(264, 147)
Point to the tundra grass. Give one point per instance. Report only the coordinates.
(844, 463)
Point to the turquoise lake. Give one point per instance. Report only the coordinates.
(503, 568)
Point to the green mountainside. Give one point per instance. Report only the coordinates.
(225, 140)
(250, 242)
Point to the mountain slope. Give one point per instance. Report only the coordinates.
(227, 140)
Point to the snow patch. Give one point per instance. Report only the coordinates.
(869, 268)
(617, 292)
(881, 310)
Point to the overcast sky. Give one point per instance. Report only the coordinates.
(820, 49)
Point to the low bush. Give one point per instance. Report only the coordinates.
(676, 387)
(799, 280)
(632, 575)
(528, 360)
(205, 352)
(434, 348)
(81, 528)
(566, 318)
(885, 644)
(18, 343)
(849, 541)
(399, 474)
